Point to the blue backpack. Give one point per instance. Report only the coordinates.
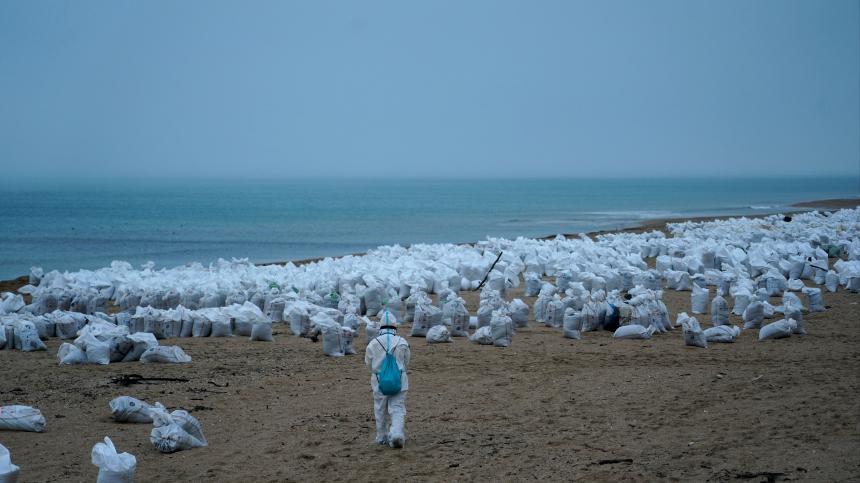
(389, 374)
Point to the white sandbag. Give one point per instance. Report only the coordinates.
(98, 352)
(633, 331)
(455, 312)
(683, 282)
(533, 284)
(393, 304)
(482, 336)
(572, 324)
(372, 299)
(65, 325)
(274, 309)
(113, 467)
(174, 432)
(346, 336)
(719, 310)
(699, 300)
(742, 300)
(554, 314)
(371, 330)
(262, 331)
(590, 316)
(126, 409)
(754, 315)
(485, 316)
(831, 281)
(722, 333)
(21, 418)
(71, 354)
(540, 306)
(300, 318)
(693, 333)
(422, 319)
(221, 327)
(813, 295)
(777, 330)
(501, 329)
(793, 312)
(9, 473)
(519, 313)
(165, 354)
(142, 341)
(331, 334)
(438, 334)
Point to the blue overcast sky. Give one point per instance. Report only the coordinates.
(429, 89)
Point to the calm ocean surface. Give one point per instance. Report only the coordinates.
(77, 224)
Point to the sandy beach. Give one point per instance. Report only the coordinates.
(545, 408)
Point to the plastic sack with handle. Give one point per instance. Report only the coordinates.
(113, 467)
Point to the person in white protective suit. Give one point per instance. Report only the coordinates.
(390, 411)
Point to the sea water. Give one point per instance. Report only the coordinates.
(86, 224)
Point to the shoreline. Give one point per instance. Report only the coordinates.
(658, 224)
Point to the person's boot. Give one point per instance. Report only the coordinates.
(397, 440)
(382, 433)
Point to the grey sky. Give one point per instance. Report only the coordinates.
(440, 89)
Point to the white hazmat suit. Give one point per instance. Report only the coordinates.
(390, 411)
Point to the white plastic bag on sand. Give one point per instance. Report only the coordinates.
(262, 331)
(142, 341)
(331, 334)
(754, 315)
(554, 313)
(816, 304)
(831, 281)
(742, 300)
(533, 284)
(634, 331)
(502, 330)
(371, 330)
(572, 324)
(792, 312)
(540, 307)
(9, 473)
(126, 409)
(21, 418)
(177, 431)
(455, 311)
(519, 313)
(482, 336)
(221, 327)
(438, 333)
(373, 299)
(722, 333)
(699, 299)
(98, 352)
(719, 310)
(71, 354)
(426, 316)
(165, 353)
(393, 304)
(346, 336)
(693, 333)
(777, 330)
(590, 316)
(113, 467)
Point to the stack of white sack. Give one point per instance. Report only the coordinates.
(193, 300)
